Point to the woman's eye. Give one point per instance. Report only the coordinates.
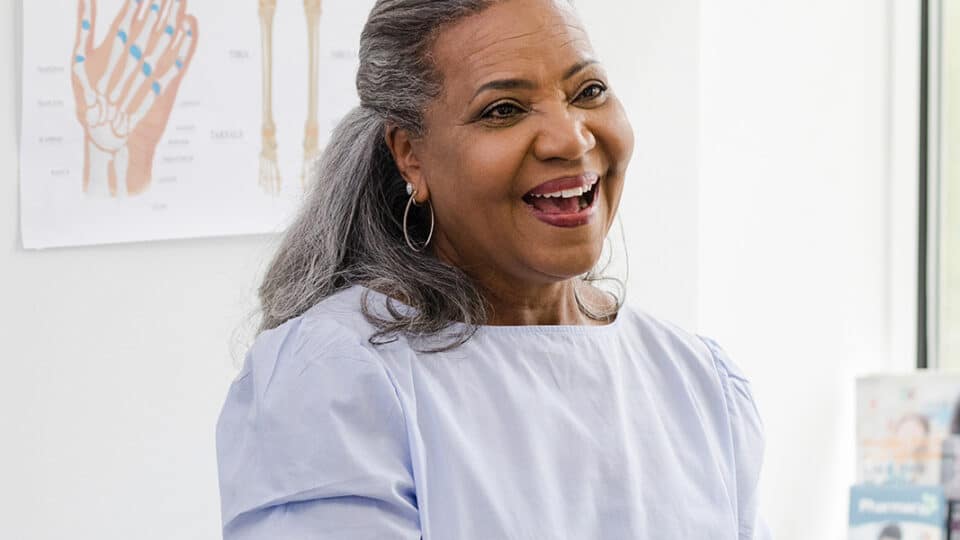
(501, 111)
(593, 91)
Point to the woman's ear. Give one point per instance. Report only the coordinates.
(401, 146)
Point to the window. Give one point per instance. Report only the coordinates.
(946, 195)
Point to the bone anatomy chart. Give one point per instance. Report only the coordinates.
(269, 168)
(125, 87)
(164, 119)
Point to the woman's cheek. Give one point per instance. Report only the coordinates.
(623, 136)
(492, 168)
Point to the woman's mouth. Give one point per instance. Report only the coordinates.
(569, 207)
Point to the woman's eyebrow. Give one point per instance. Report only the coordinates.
(526, 84)
(578, 67)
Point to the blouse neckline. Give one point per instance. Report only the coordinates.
(494, 329)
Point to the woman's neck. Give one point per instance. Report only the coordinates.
(550, 304)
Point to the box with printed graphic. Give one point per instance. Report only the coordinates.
(908, 430)
(897, 513)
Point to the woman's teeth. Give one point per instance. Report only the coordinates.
(566, 194)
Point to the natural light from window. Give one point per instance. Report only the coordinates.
(949, 316)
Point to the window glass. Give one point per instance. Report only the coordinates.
(949, 305)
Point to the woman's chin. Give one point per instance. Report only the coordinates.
(567, 266)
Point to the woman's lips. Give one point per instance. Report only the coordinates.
(582, 216)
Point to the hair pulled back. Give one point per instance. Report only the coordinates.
(349, 231)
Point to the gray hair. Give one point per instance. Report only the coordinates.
(349, 231)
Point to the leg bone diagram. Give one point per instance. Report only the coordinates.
(270, 179)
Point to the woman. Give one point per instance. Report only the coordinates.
(434, 361)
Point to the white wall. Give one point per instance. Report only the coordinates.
(768, 206)
(117, 358)
(807, 218)
(115, 364)
(651, 49)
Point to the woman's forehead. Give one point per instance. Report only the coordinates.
(506, 36)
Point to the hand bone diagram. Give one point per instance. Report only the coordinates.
(270, 179)
(125, 89)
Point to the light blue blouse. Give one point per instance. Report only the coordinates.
(632, 430)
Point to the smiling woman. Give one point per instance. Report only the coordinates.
(434, 361)
(524, 125)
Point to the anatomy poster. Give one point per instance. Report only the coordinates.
(161, 119)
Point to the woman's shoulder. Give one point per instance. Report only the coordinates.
(342, 310)
(333, 330)
(709, 374)
(718, 381)
(664, 336)
(310, 384)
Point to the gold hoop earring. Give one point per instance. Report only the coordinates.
(413, 193)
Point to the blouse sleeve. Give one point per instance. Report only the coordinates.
(747, 437)
(311, 442)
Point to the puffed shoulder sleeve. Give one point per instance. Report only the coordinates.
(747, 437)
(312, 444)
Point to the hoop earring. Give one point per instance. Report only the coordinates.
(406, 212)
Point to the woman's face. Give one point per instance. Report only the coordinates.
(526, 110)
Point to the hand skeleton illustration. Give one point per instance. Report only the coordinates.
(125, 88)
(270, 179)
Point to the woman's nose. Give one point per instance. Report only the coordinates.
(564, 135)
